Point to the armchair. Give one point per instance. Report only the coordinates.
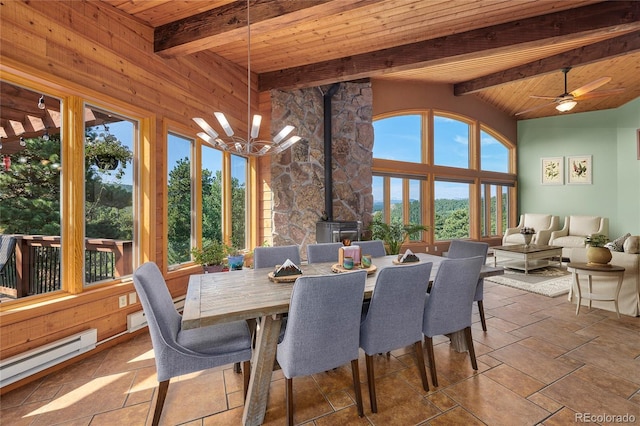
(543, 224)
(575, 229)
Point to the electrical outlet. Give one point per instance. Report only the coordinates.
(122, 301)
(132, 298)
(435, 248)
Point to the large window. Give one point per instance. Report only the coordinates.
(443, 170)
(238, 202)
(179, 199)
(110, 144)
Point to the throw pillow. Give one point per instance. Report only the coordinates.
(618, 243)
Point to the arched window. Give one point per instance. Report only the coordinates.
(447, 171)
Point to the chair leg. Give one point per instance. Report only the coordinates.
(482, 319)
(246, 375)
(237, 368)
(356, 386)
(162, 394)
(289, 400)
(472, 352)
(372, 384)
(421, 367)
(432, 360)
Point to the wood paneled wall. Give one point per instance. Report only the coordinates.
(92, 50)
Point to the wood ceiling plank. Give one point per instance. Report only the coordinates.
(602, 16)
(607, 49)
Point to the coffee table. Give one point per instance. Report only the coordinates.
(526, 258)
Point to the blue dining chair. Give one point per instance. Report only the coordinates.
(177, 351)
(394, 317)
(323, 252)
(449, 304)
(374, 247)
(267, 257)
(459, 249)
(323, 329)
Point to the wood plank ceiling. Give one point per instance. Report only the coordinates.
(501, 51)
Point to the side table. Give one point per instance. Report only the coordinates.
(591, 270)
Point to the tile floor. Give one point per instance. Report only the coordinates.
(539, 363)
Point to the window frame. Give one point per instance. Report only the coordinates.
(430, 172)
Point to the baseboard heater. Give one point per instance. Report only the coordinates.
(35, 360)
(137, 320)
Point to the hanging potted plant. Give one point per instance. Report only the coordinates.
(212, 256)
(393, 234)
(597, 253)
(107, 153)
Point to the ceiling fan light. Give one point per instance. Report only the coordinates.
(566, 105)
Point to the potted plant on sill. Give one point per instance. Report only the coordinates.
(235, 259)
(597, 253)
(212, 256)
(393, 234)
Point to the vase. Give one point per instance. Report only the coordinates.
(527, 239)
(598, 256)
(236, 262)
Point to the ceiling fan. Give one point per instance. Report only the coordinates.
(568, 100)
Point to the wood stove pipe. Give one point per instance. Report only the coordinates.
(328, 172)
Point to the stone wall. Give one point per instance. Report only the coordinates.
(297, 175)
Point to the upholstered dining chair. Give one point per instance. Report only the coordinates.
(178, 352)
(461, 248)
(394, 317)
(323, 329)
(374, 247)
(448, 306)
(266, 257)
(323, 252)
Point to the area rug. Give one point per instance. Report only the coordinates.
(550, 281)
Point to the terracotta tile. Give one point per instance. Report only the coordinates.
(229, 417)
(533, 363)
(308, 401)
(42, 393)
(21, 415)
(547, 403)
(100, 395)
(514, 380)
(457, 416)
(441, 400)
(542, 346)
(339, 399)
(128, 356)
(494, 338)
(556, 332)
(494, 404)
(133, 415)
(232, 380)
(235, 399)
(610, 383)
(143, 386)
(347, 417)
(605, 357)
(561, 418)
(194, 396)
(398, 403)
(514, 314)
(583, 396)
(20, 395)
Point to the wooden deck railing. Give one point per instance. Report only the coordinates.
(34, 268)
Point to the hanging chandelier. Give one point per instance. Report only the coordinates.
(250, 145)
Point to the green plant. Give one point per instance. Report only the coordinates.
(596, 240)
(107, 152)
(211, 253)
(393, 234)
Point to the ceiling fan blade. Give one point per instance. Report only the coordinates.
(590, 86)
(600, 94)
(544, 97)
(534, 108)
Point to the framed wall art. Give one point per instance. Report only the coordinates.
(579, 169)
(551, 169)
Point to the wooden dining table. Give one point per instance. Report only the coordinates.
(250, 294)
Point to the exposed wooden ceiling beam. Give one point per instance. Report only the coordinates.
(607, 49)
(541, 30)
(221, 25)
